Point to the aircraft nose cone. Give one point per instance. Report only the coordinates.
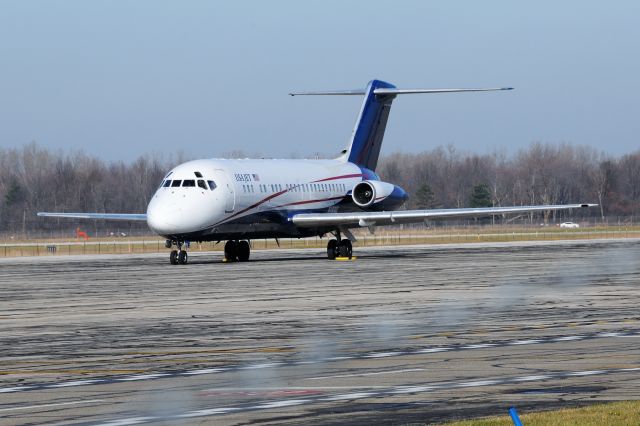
(159, 219)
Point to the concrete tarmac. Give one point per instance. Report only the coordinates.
(404, 334)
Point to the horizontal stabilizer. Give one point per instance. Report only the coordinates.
(393, 91)
(103, 216)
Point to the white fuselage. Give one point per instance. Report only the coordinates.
(246, 191)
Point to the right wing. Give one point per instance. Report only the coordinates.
(105, 216)
(364, 218)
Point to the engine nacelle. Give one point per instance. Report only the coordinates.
(376, 194)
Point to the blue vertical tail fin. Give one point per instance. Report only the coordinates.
(366, 138)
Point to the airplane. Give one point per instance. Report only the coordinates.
(239, 200)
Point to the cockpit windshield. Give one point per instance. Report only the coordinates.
(212, 185)
(188, 182)
(166, 183)
(176, 183)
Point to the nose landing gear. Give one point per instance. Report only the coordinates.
(177, 257)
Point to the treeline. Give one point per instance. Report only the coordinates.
(538, 174)
(35, 179)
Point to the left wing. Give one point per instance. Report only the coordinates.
(309, 220)
(105, 216)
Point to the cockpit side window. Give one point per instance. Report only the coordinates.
(198, 174)
(202, 184)
(189, 182)
(176, 183)
(212, 185)
(166, 183)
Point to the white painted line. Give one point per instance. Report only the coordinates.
(209, 412)
(431, 350)
(349, 396)
(478, 383)
(375, 373)
(531, 378)
(339, 358)
(129, 421)
(586, 373)
(413, 389)
(203, 371)
(479, 346)
(277, 404)
(74, 383)
(59, 404)
(383, 354)
(265, 365)
(568, 338)
(630, 369)
(142, 377)
(15, 389)
(609, 334)
(524, 342)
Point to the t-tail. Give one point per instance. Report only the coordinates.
(366, 138)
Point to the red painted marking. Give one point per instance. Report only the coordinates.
(340, 177)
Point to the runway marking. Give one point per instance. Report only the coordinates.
(376, 373)
(150, 375)
(568, 338)
(203, 371)
(143, 377)
(15, 389)
(381, 393)
(129, 421)
(278, 404)
(74, 383)
(350, 396)
(58, 404)
(382, 354)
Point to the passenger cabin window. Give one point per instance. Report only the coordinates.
(198, 174)
(166, 183)
(202, 184)
(212, 185)
(176, 183)
(189, 182)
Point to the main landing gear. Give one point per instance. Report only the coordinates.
(177, 257)
(237, 251)
(339, 248)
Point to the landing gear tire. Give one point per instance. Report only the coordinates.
(332, 249)
(345, 248)
(244, 251)
(173, 257)
(231, 251)
(183, 258)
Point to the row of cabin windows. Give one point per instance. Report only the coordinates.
(189, 183)
(305, 187)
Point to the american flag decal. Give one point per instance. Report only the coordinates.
(256, 178)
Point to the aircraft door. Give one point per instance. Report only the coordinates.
(230, 193)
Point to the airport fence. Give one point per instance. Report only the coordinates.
(397, 236)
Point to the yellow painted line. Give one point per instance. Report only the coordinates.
(345, 259)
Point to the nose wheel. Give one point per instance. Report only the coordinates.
(177, 257)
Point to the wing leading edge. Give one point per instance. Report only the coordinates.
(355, 219)
(105, 216)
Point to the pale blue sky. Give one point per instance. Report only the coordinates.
(119, 79)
